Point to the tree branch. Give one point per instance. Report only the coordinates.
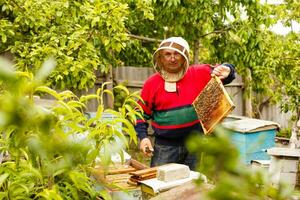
(147, 39)
(14, 2)
(216, 32)
(264, 103)
(143, 38)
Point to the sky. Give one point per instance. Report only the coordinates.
(279, 28)
(282, 30)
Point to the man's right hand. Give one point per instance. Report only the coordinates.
(146, 147)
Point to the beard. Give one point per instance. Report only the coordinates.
(172, 77)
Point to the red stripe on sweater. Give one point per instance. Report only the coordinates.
(140, 121)
(175, 126)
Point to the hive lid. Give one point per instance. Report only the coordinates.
(249, 125)
(212, 105)
(281, 151)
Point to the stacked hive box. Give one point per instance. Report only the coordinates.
(251, 136)
(284, 166)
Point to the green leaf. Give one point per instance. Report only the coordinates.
(4, 38)
(122, 88)
(129, 110)
(3, 195)
(88, 97)
(76, 104)
(109, 92)
(6, 69)
(67, 94)
(45, 70)
(48, 91)
(59, 171)
(3, 178)
(105, 195)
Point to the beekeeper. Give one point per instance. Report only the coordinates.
(168, 96)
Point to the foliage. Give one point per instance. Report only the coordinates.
(285, 67)
(231, 179)
(285, 133)
(231, 31)
(51, 152)
(86, 36)
(82, 36)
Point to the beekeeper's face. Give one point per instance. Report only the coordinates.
(171, 61)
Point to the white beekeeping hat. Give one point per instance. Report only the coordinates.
(177, 44)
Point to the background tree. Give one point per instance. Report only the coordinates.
(85, 36)
(237, 32)
(81, 35)
(284, 59)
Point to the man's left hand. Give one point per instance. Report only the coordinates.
(221, 71)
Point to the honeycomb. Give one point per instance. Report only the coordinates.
(212, 105)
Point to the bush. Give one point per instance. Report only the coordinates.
(50, 152)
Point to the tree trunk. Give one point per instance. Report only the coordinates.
(109, 78)
(248, 94)
(196, 52)
(262, 105)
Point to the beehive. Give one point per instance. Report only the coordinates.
(212, 105)
(251, 136)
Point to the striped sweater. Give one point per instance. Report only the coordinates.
(172, 115)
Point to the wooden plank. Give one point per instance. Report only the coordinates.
(133, 183)
(136, 164)
(122, 170)
(137, 179)
(144, 171)
(145, 176)
(117, 177)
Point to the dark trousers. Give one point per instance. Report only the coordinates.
(164, 154)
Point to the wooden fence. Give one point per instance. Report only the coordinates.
(134, 77)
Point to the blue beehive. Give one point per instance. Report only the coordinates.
(251, 136)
